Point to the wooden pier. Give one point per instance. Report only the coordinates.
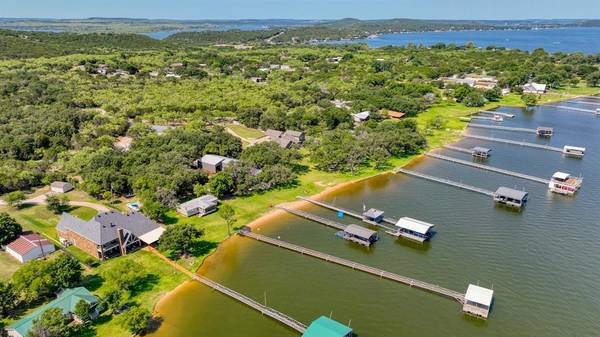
(514, 142)
(263, 309)
(504, 114)
(350, 213)
(447, 182)
(357, 266)
(564, 107)
(503, 128)
(315, 218)
(485, 118)
(584, 102)
(458, 149)
(488, 168)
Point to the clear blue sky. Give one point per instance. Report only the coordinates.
(302, 9)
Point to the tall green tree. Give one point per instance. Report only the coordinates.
(82, 310)
(9, 229)
(15, 199)
(179, 239)
(137, 320)
(66, 271)
(8, 299)
(52, 323)
(227, 213)
(57, 203)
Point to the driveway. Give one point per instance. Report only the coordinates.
(41, 199)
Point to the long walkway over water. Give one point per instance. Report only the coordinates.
(349, 212)
(515, 142)
(357, 266)
(447, 182)
(504, 128)
(263, 309)
(564, 107)
(584, 102)
(497, 113)
(315, 218)
(458, 149)
(488, 168)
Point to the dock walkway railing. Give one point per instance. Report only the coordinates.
(349, 212)
(313, 217)
(447, 182)
(357, 266)
(504, 128)
(488, 168)
(564, 107)
(514, 142)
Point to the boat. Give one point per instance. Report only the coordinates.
(498, 118)
(564, 183)
(574, 151)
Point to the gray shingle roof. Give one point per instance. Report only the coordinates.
(204, 202)
(103, 227)
(511, 193)
(359, 231)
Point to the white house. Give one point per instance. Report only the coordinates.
(204, 205)
(61, 187)
(534, 88)
(361, 116)
(29, 247)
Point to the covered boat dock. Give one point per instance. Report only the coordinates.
(478, 301)
(511, 197)
(413, 229)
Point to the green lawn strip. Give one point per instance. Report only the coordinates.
(164, 278)
(246, 132)
(84, 213)
(8, 265)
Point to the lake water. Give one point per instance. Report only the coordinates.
(586, 40)
(543, 262)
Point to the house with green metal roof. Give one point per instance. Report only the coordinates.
(66, 301)
(326, 327)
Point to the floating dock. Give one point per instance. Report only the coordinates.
(263, 309)
(488, 168)
(504, 114)
(564, 107)
(357, 266)
(486, 118)
(515, 142)
(447, 182)
(350, 213)
(503, 128)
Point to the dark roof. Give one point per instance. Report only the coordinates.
(103, 227)
(511, 193)
(373, 213)
(481, 149)
(359, 231)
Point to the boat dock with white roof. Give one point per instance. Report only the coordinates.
(412, 229)
(478, 301)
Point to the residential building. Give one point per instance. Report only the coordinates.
(204, 205)
(297, 137)
(341, 104)
(66, 301)
(61, 187)
(361, 116)
(395, 114)
(29, 247)
(287, 138)
(213, 163)
(534, 88)
(109, 233)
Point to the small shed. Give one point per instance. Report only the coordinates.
(478, 301)
(326, 327)
(29, 247)
(374, 215)
(511, 197)
(544, 131)
(213, 163)
(480, 152)
(361, 116)
(395, 114)
(413, 229)
(61, 187)
(360, 235)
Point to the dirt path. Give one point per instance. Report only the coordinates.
(41, 199)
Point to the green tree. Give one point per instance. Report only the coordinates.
(114, 298)
(227, 213)
(66, 271)
(221, 184)
(57, 203)
(154, 209)
(529, 99)
(15, 199)
(33, 281)
(474, 99)
(124, 274)
(82, 310)
(180, 239)
(52, 323)
(9, 229)
(137, 320)
(8, 299)
(593, 79)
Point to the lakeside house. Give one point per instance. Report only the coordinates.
(29, 247)
(61, 187)
(285, 138)
(212, 163)
(474, 81)
(534, 88)
(361, 116)
(67, 301)
(201, 206)
(326, 327)
(109, 233)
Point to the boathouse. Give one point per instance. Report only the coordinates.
(544, 131)
(481, 152)
(326, 327)
(510, 197)
(478, 301)
(574, 151)
(413, 229)
(360, 235)
(374, 215)
(564, 183)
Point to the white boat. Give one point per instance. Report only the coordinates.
(564, 183)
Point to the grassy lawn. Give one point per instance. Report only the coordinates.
(246, 132)
(8, 265)
(84, 213)
(164, 278)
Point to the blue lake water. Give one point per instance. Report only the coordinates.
(586, 40)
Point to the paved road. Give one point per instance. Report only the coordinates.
(41, 199)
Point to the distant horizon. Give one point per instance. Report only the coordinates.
(286, 19)
(300, 9)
